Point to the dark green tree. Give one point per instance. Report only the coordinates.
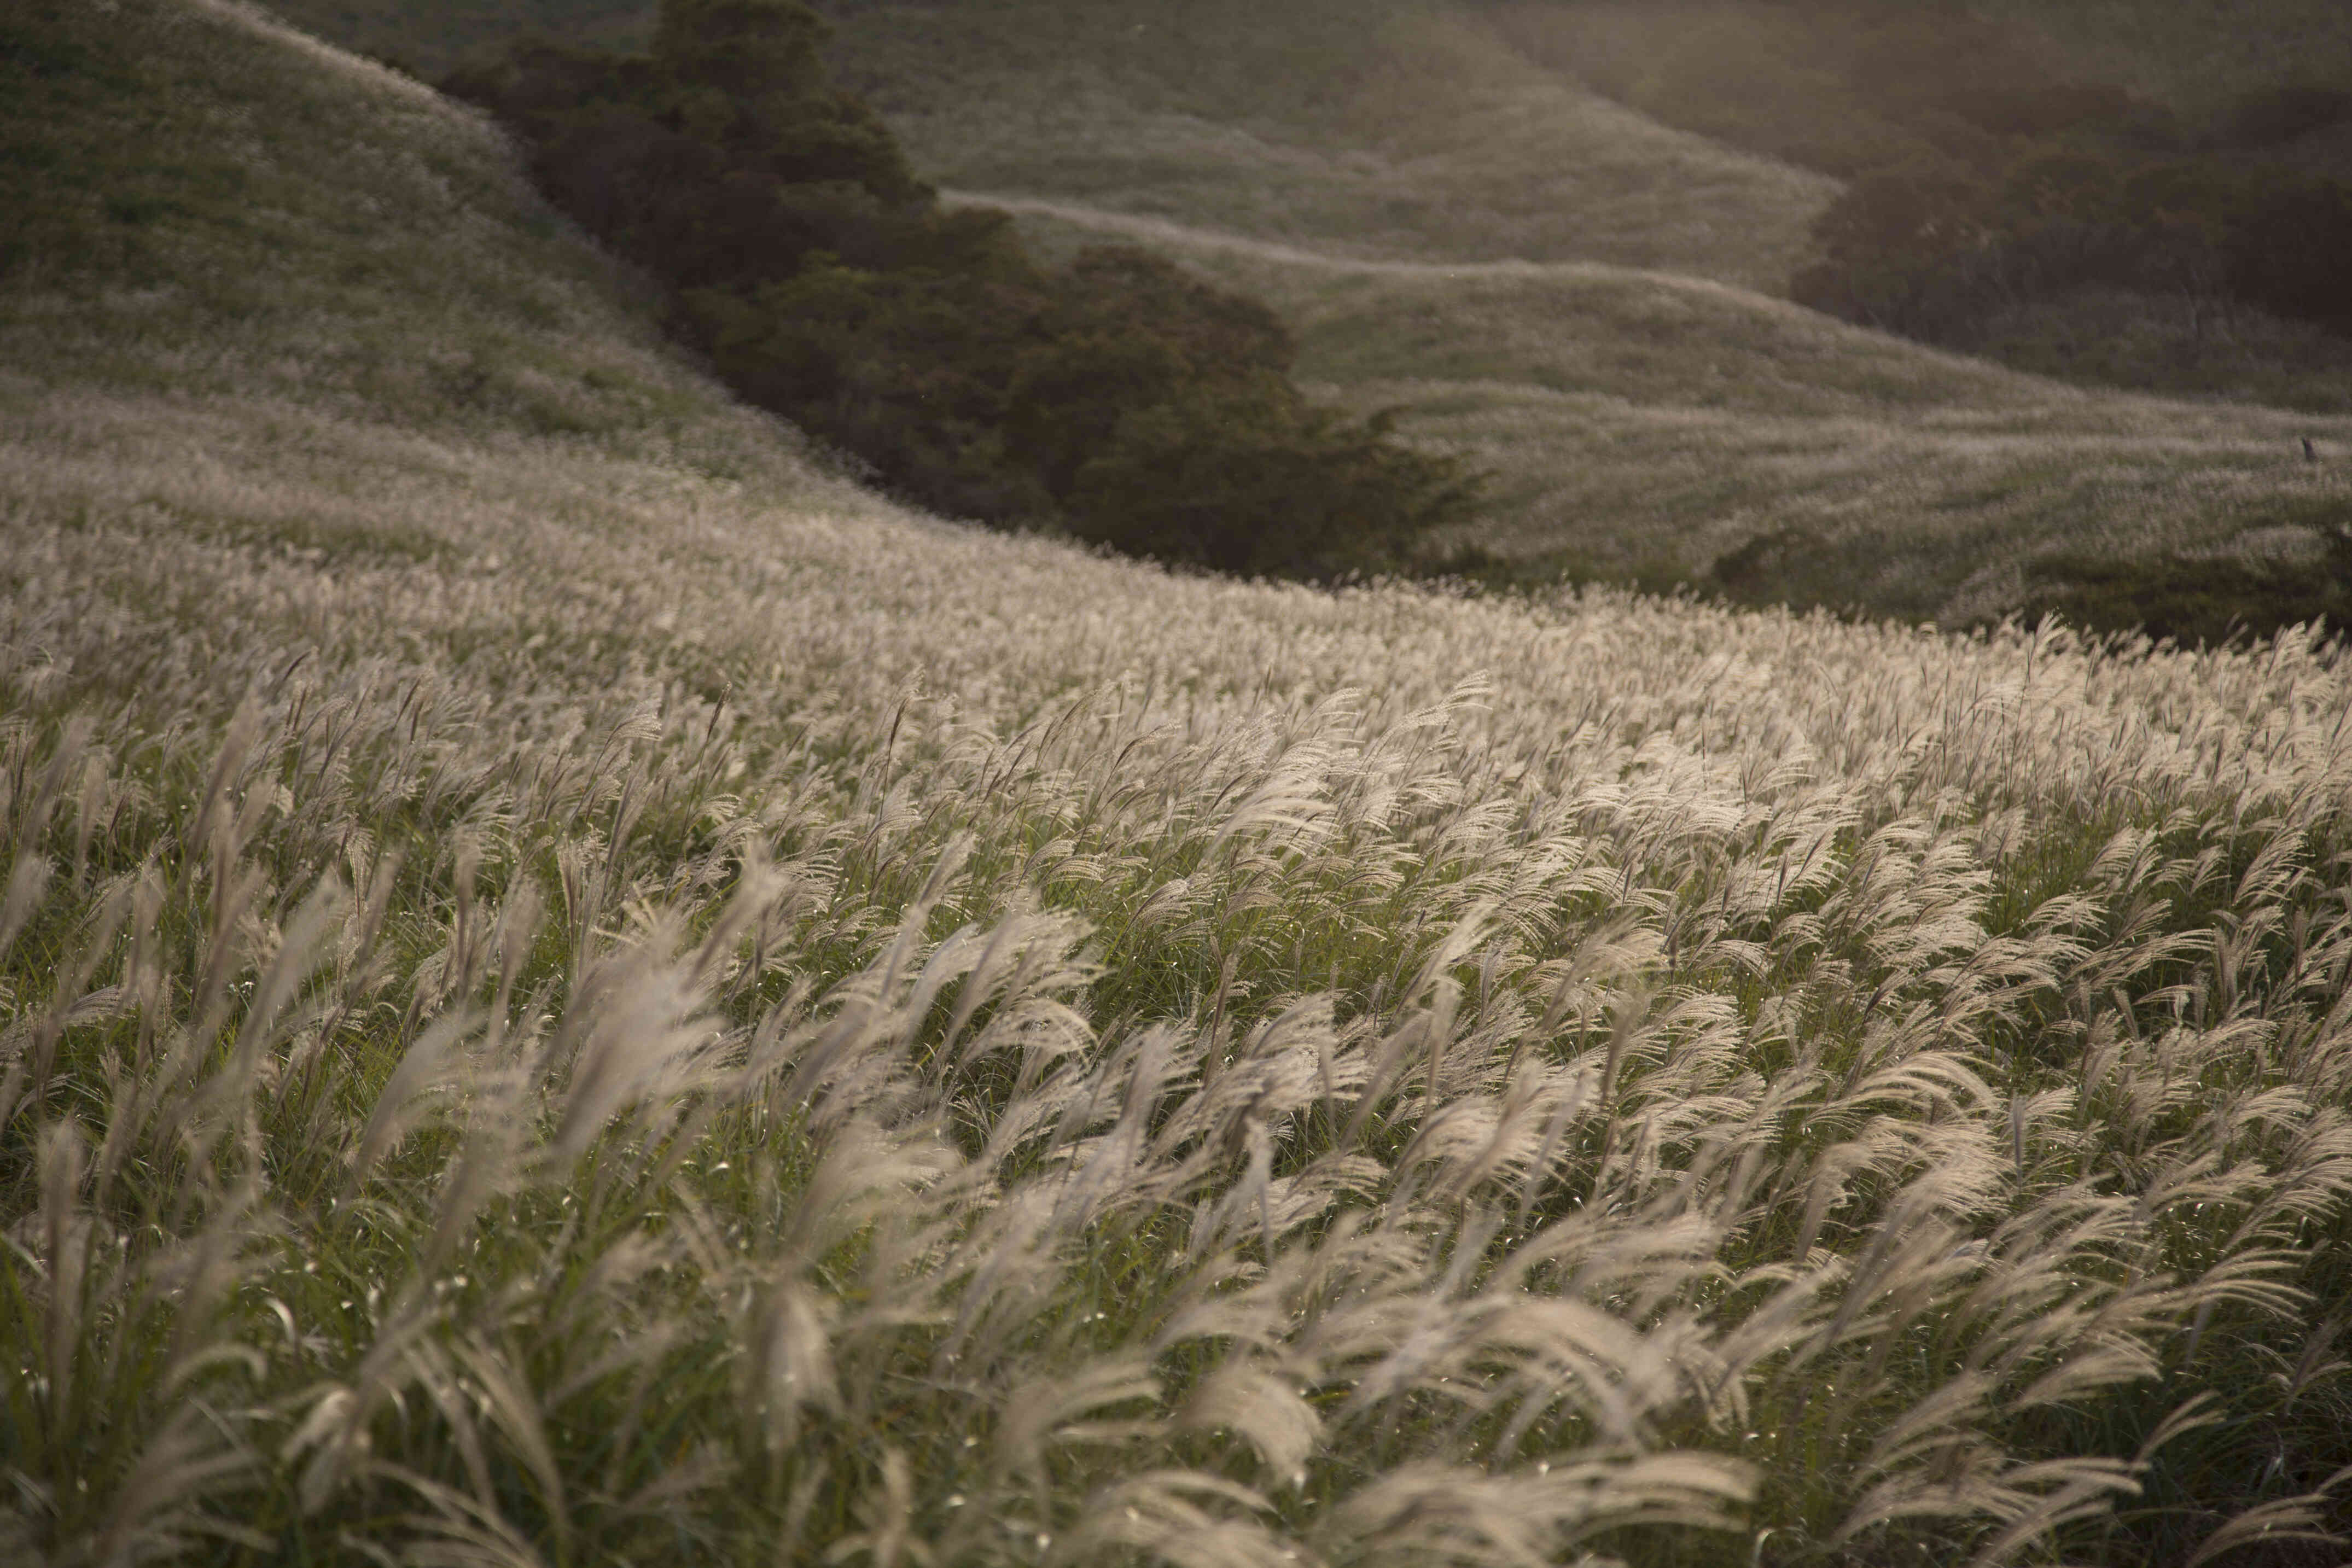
(746, 76)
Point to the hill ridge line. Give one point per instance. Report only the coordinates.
(263, 23)
(1171, 232)
(2049, 390)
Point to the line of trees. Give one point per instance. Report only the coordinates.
(1116, 398)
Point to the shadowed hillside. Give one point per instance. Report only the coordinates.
(2193, 54)
(1382, 130)
(2017, 200)
(431, 37)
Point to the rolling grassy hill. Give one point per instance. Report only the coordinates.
(1405, 130)
(573, 990)
(1391, 130)
(1639, 420)
(213, 227)
(1888, 90)
(1649, 424)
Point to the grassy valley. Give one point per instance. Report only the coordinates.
(576, 988)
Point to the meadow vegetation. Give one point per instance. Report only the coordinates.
(582, 993)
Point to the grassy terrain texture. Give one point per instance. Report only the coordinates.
(573, 990)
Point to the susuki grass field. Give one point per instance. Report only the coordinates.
(573, 990)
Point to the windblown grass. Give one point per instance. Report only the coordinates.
(558, 1004)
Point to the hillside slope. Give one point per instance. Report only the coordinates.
(1639, 418)
(1390, 129)
(193, 222)
(432, 38)
(573, 990)
(1643, 422)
